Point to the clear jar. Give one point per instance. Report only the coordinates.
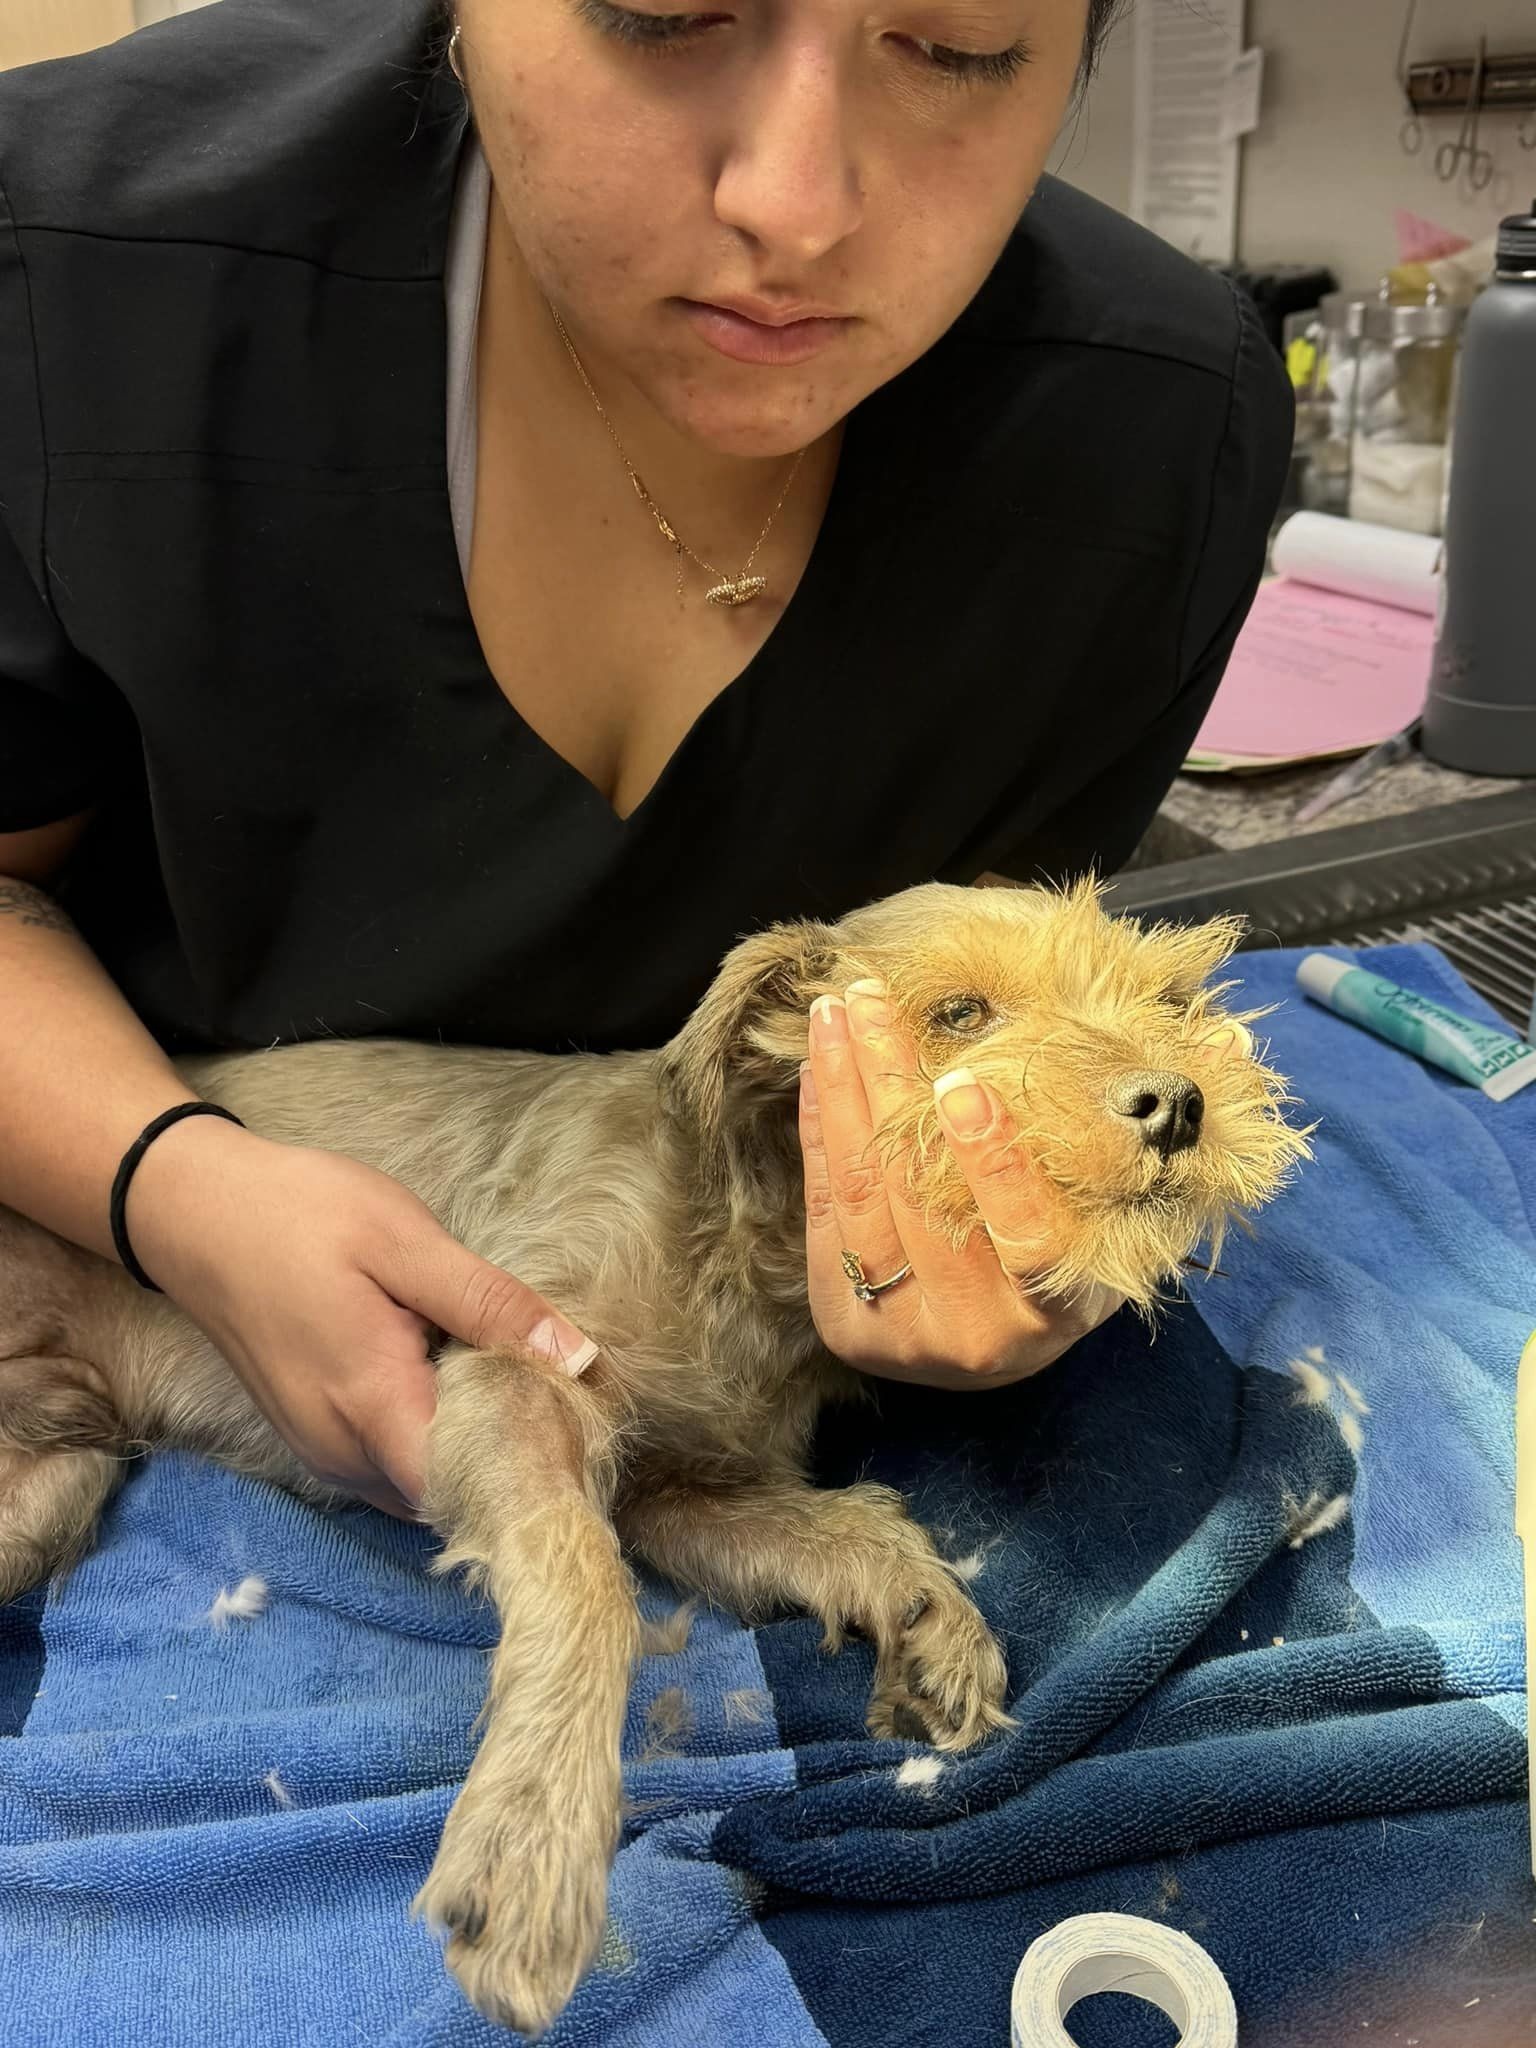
(1320, 348)
(1399, 386)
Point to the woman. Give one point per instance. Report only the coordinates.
(458, 571)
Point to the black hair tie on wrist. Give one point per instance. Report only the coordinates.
(125, 1173)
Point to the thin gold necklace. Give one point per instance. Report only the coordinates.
(730, 590)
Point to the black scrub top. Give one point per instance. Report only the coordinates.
(233, 624)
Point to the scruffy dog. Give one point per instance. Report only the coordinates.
(656, 1198)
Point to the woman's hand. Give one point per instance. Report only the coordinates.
(960, 1319)
(318, 1279)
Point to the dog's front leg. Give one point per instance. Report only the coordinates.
(517, 1483)
(853, 1556)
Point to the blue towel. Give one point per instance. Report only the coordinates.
(1311, 1759)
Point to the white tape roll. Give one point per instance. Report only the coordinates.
(1117, 1952)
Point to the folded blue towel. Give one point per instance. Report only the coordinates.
(1312, 1759)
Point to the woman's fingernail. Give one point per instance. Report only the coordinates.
(807, 1085)
(963, 1103)
(562, 1344)
(829, 1015)
(867, 1005)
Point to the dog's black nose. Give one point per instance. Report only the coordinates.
(1168, 1107)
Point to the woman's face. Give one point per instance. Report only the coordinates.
(864, 159)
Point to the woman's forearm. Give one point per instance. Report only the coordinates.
(79, 1074)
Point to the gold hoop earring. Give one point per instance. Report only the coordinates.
(453, 52)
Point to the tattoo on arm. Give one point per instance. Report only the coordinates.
(32, 906)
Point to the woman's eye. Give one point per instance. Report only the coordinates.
(644, 31)
(971, 67)
(658, 32)
(962, 1013)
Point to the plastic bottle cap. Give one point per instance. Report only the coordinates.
(1319, 974)
(1517, 245)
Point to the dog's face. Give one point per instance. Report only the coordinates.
(1143, 1102)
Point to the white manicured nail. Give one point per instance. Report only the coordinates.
(563, 1345)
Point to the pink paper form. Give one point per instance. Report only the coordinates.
(1315, 673)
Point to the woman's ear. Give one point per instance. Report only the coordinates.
(739, 1054)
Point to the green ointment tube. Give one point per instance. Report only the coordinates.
(1489, 1059)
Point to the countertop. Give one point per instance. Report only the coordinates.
(1223, 813)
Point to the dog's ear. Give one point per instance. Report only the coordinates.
(736, 1062)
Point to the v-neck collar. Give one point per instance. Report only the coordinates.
(800, 645)
(725, 718)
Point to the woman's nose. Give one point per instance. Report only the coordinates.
(789, 178)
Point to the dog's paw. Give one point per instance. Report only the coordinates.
(941, 1679)
(522, 1898)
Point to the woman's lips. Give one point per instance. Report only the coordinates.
(753, 341)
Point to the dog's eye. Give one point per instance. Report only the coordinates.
(961, 1013)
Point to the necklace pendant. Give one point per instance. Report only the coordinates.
(736, 590)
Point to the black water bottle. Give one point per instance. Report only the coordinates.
(1481, 711)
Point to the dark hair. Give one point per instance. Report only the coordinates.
(1101, 19)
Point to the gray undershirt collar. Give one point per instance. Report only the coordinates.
(464, 274)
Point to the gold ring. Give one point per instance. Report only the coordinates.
(866, 1290)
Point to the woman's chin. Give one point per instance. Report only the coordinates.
(751, 412)
(757, 430)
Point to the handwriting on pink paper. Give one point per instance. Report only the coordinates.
(1315, 673)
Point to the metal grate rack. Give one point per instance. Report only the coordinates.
(1493, 948)
(1462, 876)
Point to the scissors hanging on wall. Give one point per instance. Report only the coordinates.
(1411, 134)
(1473, 86)
(1451, 157)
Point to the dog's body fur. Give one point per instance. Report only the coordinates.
(656, 1199)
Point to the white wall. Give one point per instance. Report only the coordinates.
(146, 11)
(1324, 174)
(32, 31)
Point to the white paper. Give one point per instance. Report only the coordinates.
(1242, 96)
(1315, 672)
(1183, 174)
